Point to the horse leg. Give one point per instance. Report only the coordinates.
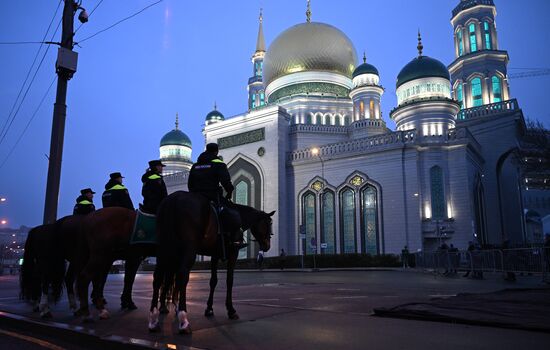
(231, 262)
(165, 290)
(89, 272)
(101, 280)
(213, 282)
(44, 306)
(182, 278)
(158, 277)
(130, 272)
(69, 284)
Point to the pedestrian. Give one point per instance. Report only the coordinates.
(471, 248)
(115, 194)
(454, 259)
(205, 178)
(405, 257)
(154, 188)
(444, 257)
(85, 202)
(260, 260)
(282, 259)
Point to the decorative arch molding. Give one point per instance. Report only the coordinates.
(475, 75)
(243, 166)
(312, 185)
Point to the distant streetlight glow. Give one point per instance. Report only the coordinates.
(315, 151)
(3, 222)
(3, 199)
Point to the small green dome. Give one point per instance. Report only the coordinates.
(422, 67)
(175, 137)
(214, 116)
(365, 68)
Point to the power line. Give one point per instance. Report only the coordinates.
(90, 15)
(21, 42)
(28, 123)
(30, 68)
(117, 23)
(6, 130)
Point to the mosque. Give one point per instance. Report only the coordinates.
(313, 145)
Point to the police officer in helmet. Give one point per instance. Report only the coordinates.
(205, 178)
(115, 194)
(154, 188)
(85, 202)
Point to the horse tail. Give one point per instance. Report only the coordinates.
(29, 278)
(167, 226)
(56, 268)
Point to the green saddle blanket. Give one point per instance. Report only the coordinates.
(144, 228)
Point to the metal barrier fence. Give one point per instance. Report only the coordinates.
(506, 261)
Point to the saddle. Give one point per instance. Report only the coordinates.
(144, 228)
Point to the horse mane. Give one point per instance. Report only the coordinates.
(249, 215)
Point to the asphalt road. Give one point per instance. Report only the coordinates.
(301, 310)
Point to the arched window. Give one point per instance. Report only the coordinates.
(347, 120)
(262, 98)
(460, 95)
(460, 42)
(473, 39)
(308, 214)
(328, 221)
(317, 119)
(497, 89)
(347, 219)
(476, 92)
(369, 220)
(242, 196)
(309, 119)
(371, 110)
(258, 67)
(337, 120)
(487, 30)
(327, 120)
(252, 100)
(438, 193)
(362, 109)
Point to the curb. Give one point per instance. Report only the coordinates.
(81, 334)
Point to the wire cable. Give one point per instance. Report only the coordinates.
(6, 130)
(117, 23)
(21, 42)
(31, 67)
(28, 123)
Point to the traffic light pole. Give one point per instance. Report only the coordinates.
(59, 115)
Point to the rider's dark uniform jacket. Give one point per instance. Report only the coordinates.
(206, 175)
(153, 191)
(83, 206)
(116, 195)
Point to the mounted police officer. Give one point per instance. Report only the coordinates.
(115, 194)
(154, 188)
(85, 202)
(205, 178)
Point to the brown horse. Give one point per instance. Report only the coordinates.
(187, 226)
(106, 237)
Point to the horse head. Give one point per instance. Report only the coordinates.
(261, 229)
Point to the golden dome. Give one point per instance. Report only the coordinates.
(309, 46)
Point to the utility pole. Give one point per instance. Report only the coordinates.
(66, 67)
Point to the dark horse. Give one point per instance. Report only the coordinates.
(47, 249)
(187, 226)
(106, 237)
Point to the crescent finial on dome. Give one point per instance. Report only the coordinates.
(308, 12)
(420, 47)
(177, 121)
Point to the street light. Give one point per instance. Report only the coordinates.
(317, 152)
(3, 199)
(3, 221)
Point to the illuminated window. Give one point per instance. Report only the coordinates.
(437, 192)
(242, 196)
(252, 100)
(309, 119)
(473, 39)
(460, 95)
(328, 222)
(347, 219)
(347, 120)
(487, 29)
(361, 108)
(476, 92)
(337, 121)
(371, 109)
(258, 66)
(497, 90)
(262, 98)
(369, 220)
(460, 42)
(309, 221)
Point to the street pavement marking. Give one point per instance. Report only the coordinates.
(351, 297)
(349, 289)
(40, 342)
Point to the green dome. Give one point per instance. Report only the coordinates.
(214, 116)
(365, 68)
(422, 67)
(175, 137)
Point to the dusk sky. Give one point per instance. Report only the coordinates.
(181, 56)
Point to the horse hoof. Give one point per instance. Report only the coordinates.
(163, 309)
(104, 314)
(184, 326)
(128, 305)
(209, 312)
(154, 324)
(233, 316)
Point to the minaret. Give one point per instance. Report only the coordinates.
(479, 73)
(256, 93)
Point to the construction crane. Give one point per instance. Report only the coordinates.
(530, 73)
